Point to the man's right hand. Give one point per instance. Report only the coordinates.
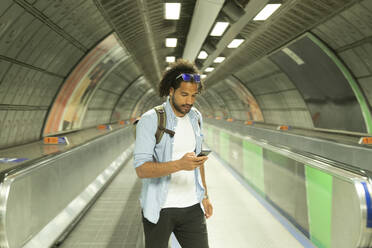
(190, 161)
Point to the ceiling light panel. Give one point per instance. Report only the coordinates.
(203, 55)
(171, 42)
(219, 59)
(172, 11)
(170, 59)
(219, 28)
(235, 43)
(266, 12)
(209, 69)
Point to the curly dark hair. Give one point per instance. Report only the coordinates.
(169, 77)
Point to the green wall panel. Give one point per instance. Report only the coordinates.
(224, 145)
(216, 140)
(319, 201)
(253, 165)
(236, 153)
(210, 135)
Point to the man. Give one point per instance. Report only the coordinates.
(174, 193)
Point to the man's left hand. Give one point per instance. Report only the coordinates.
(208, 208)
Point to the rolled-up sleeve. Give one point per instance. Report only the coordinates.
(145, 138)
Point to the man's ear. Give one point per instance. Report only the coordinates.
(171, 91)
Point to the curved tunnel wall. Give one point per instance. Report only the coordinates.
(280, 98)
(70, 106)
(329, 91)
(346, 34)
(42, 43)
(93, 93)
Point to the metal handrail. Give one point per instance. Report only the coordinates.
(332, 167)
(50, 157)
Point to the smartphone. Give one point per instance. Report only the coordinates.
(204, 153)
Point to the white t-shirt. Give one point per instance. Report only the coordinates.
(182, 188)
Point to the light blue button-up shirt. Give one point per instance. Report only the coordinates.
(154, 190)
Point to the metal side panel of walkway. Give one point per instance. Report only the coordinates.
(114, 220)
(240, 220)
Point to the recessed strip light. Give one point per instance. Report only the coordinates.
(267, 12)
(209, 69)
(219, 59)
(172, 11)
(235, 43)
(171, 42)
(219, 28)
(170, 59)
(203, 76)
(203, 55)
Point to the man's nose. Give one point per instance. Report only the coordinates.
(189, 100)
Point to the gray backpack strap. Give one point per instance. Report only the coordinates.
(162, 123)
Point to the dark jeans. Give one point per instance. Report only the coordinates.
(187, 224)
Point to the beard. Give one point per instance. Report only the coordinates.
(179, 107)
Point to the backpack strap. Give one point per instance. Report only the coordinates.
(162, 123)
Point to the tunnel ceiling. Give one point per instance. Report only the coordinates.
(292, 19)
(142, 29)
